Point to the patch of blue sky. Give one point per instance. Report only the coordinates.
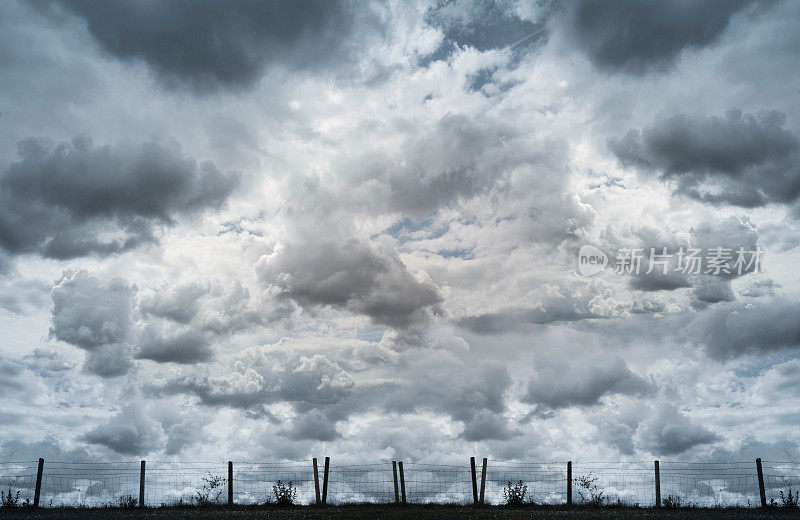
(757, 366)
(406, 230)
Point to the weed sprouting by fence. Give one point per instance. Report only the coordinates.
(253, 481)
(514, 494)
(17, 482)
(546, 481)
(117, 484)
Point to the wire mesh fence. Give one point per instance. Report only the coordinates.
(781, 479)
(89, 484)
(117, 484)
(361, 483)
(175, 483)
(546, 482)
(434, 483)
(707, 484)
(253, 481)
(18, 480)
(619, 483)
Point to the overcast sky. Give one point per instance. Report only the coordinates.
(241, 230)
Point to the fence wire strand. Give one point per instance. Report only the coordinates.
(96, 484)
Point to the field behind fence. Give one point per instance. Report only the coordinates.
(155, 483)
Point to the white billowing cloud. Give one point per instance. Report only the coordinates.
(97, 317)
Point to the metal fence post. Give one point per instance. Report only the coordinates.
(474, 480)
(658, 484)
(141, 485)
(394, 475)
(402, 482)
(569, 483)
(230, 483)
(325, 480)
(316, 479)
(483, 479)
(761, 483)
(38, 490)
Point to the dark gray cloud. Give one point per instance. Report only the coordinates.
(312, 425)
(437, 381)
(487, 425)
(708, 290)
(561, 384)
(659, 428)
(635, 37)
(6, 264)
(176, 324)
(617, 432)
(511, 319)
(60, 200)
(184, 433)
(180, 303)
(669, 432)
(658, 281)
(353, 275)
(734, 329)
(209, 46)
(129, 432)
(168, 346)
(97, 317)
(739, 159)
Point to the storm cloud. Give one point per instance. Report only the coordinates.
(636, 37)
(736, 329)
(739, 159)
(129, 432)
(669, 432)
(62, 201)
(182, 346)
(209, 46)
(559, 385)
(360, 277)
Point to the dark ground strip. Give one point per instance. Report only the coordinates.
(415, 512)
